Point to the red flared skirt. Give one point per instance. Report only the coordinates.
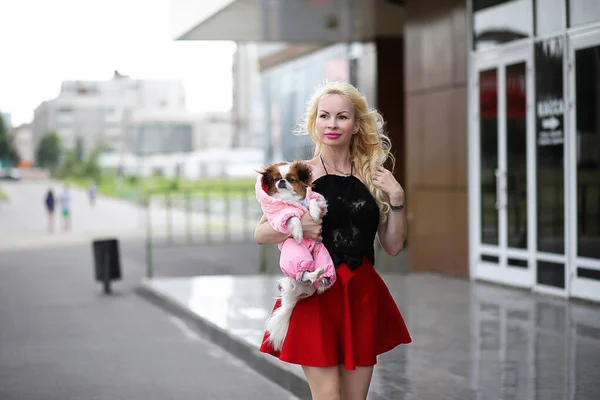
(351, 323)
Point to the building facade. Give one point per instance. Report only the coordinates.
(98, 110)
(166, 132)
(534, 145)
(493, 110)
(247, 109)
(23, 142)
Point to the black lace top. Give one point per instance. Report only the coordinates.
(352, 218)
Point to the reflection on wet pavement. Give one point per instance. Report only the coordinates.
(471, 340)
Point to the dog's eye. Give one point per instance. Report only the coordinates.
(291, 180)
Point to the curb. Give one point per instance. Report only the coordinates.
(263, 364)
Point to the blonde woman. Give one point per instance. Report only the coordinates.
(337, 336)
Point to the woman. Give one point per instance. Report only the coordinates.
(337, 336)
(49, 201)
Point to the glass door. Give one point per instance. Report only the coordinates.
(584, 165)
(501, 188)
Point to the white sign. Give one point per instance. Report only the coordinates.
(548, 108)
(549, 138)
(550, 123)
(547, 112)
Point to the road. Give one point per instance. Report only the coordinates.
(62, 338)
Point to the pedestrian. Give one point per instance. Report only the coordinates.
(65, 204)
(92, 192)
(50, 202)
(337, 336)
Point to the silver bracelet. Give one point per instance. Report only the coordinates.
(398, 207)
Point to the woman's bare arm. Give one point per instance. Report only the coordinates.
(392, 232)
(265, 234)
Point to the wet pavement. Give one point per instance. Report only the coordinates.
(471, 340)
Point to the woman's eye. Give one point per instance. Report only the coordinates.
(343, 117)
(323, 116)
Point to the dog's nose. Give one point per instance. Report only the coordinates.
(281, 184)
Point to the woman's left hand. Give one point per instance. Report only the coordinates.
(383, 179)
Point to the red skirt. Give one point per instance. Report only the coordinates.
(351, 323)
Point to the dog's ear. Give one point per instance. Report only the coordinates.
(268, 181)
(304, 172)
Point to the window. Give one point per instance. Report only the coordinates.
(65, 110)
(550, 149)
(549, 16)
(583, 12)
(501, 21)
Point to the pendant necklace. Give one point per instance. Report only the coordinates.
(335, 169)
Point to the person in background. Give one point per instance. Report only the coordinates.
(50, 209)
(92, 192)
(65, 205)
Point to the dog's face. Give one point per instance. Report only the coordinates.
(287, 180)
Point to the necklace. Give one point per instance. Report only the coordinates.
(335, 169)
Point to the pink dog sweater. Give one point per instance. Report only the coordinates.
(295, 258)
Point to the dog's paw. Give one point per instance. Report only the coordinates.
(312, 277)
(324, 281)
(322, 205)
(296, 226)
(315, 208)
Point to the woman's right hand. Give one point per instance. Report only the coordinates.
(311, 228)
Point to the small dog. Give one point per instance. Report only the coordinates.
(285, 193)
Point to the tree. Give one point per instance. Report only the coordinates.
(8, 152)
(48, 152)
(92, 167)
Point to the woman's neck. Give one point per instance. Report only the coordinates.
(337, 160)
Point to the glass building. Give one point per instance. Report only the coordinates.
(493, 108)
(534, 145)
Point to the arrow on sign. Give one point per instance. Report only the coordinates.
(550, 123)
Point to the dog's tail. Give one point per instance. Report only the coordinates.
(278, 323)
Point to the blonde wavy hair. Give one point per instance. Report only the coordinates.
(370, 147)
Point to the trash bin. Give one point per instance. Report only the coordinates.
(107, 262)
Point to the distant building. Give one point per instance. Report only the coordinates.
(174, 131)
(98, 110)
(247, 111)
(23, 141)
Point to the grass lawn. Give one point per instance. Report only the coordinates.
(133, 189)
(3, 196)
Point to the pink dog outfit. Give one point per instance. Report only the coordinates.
(295, 258)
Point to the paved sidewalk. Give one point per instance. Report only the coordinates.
(61, 338)
(471, 340)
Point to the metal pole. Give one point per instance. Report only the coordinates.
(169, 217)
(188, 216)
(149, 266)
(226, 194)
(207, 214)
(246, 214)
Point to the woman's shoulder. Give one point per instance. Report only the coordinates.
(316, 168)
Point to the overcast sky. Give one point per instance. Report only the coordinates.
(43, 42)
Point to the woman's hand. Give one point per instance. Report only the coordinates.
(383, 179)
(311, 228)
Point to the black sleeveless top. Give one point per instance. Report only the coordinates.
(352, 218)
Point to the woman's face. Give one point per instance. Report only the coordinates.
(335, 122)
